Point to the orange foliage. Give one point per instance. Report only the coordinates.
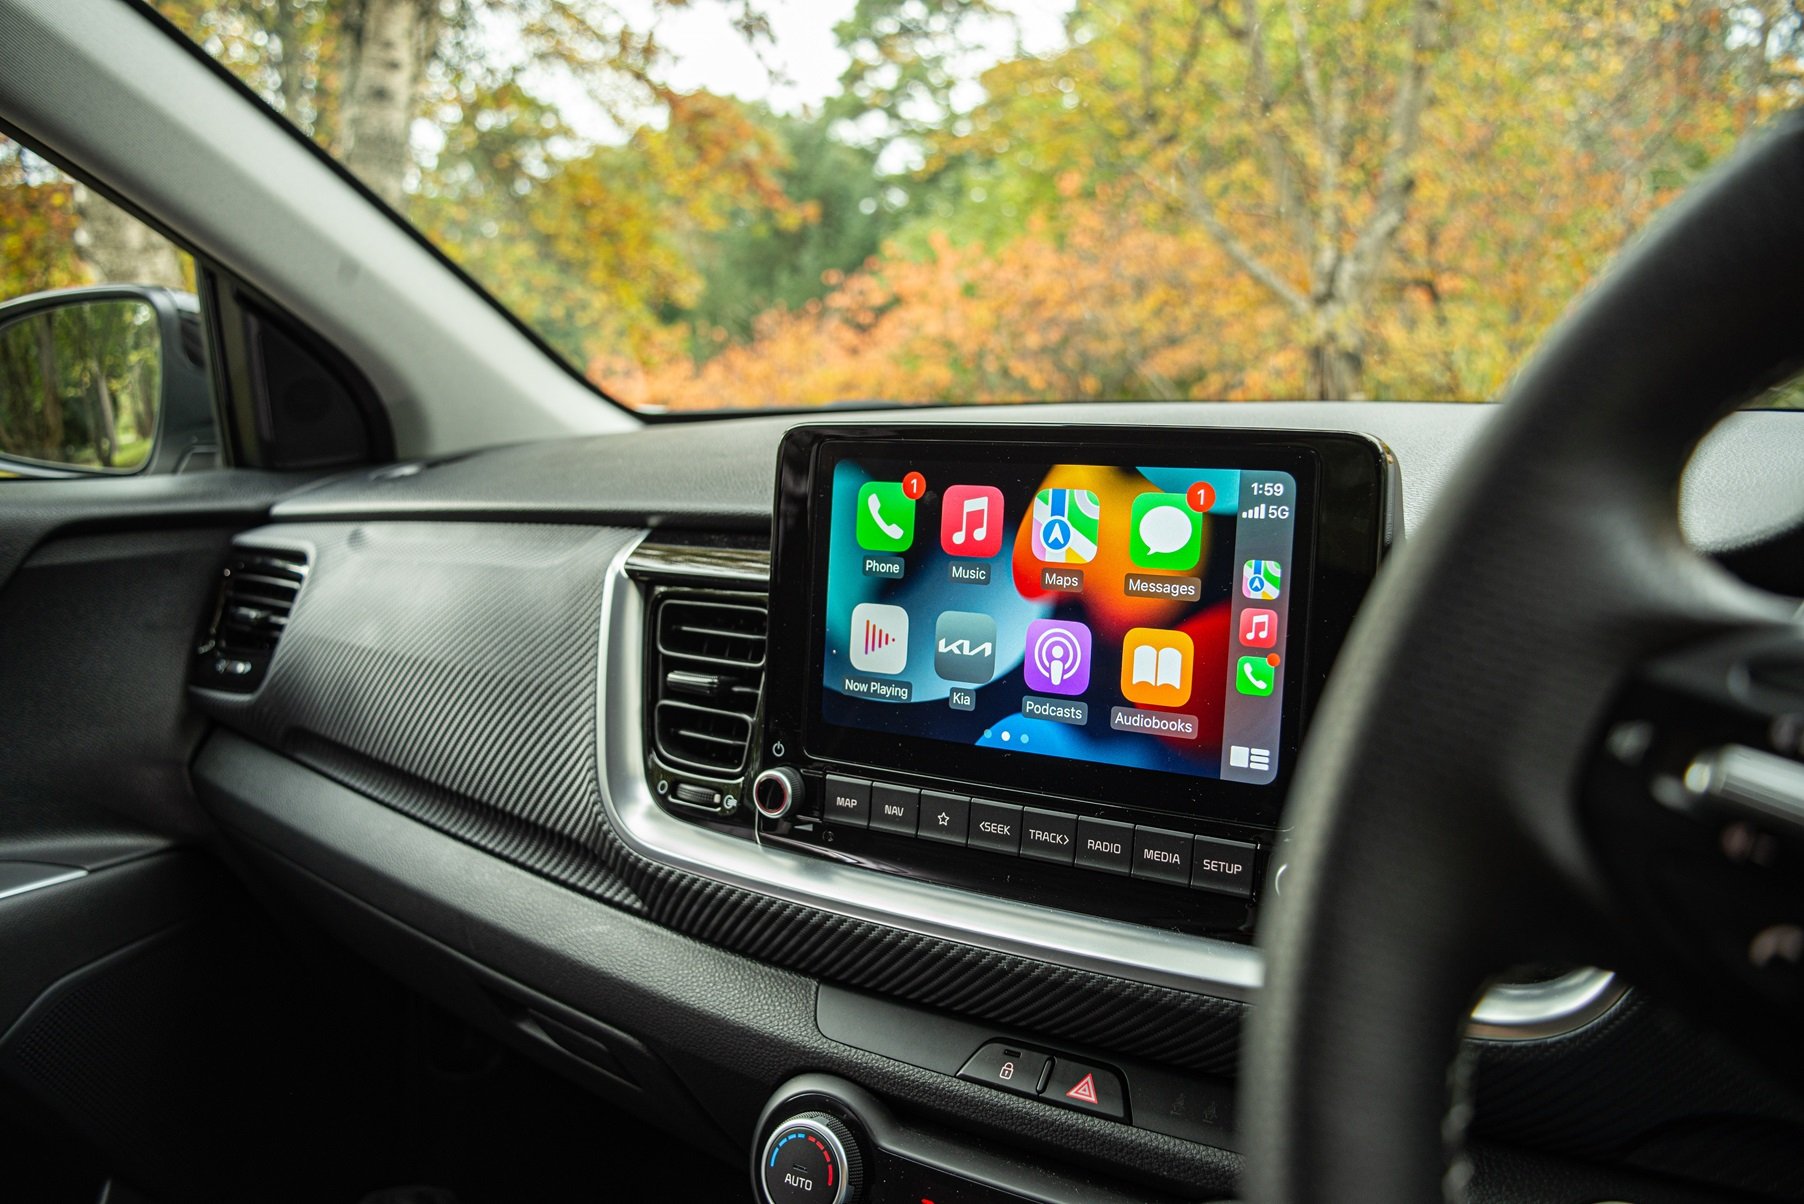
(1105, 307)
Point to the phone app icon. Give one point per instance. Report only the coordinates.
(1256, 675)
(878, 641)
(1058, 657)
(1155, 667)
(1262, 580)
(971, 520)
(1258, 627)
(1166, 532)
(1065, 524)
(964, 647)
(886, 517)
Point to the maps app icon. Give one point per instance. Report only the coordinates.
(1064, 526)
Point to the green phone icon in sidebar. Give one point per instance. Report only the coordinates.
(1256, 675)
(886, 517)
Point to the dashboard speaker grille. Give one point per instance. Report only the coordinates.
(257, 593)
(707, 670)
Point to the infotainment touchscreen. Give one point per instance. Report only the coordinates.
(1065, 607)
(1090, 619)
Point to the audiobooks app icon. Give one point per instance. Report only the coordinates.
(1155, 667)
(879, 638)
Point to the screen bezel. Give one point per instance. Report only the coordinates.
(1343, 490)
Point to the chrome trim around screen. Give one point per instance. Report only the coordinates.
(1187, 963)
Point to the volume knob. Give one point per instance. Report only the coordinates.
(775, 792)
(811, 1159)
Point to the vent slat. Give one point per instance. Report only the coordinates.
(258, 591)
(705, 686)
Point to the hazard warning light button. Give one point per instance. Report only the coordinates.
(1087, 1088)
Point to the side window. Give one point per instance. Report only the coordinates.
(102, 361)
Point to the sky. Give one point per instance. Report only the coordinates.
(801, 64)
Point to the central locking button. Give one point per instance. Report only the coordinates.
(1011, 1067)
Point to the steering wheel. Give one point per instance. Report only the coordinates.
(1556, 734)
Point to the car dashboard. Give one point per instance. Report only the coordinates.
(677, 758)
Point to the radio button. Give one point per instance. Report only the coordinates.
(995, 826)
(1223, 865)
(1103, 844)
(1162, 856)
(847, 801)
(1048, 835)
(893, 809)
(944, 817)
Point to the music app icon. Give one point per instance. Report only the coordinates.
(971, 520)
(1258, 628)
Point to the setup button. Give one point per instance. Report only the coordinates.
(1162, 856)
(1223, 865)
(995, 826)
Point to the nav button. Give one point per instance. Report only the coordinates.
(893, 809)
(943, 817)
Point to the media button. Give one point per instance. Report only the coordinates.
(943, 817)
(995, 826)
(848, 801)
(1103, 844)
(893, 809)
(1223, 865)
(1048, 835)
(1162, 856)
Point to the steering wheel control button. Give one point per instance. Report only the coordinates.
(1103, 844)
(1162, 856)
(1048, 835)
(1086, 1088)
(848, 801)
(944, 817)
(776, 792)
(893, 809)
(995, 826)
(1013, 1068)
(1223, 865)
(811, 1159)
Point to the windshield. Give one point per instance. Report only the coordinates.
(707, 204)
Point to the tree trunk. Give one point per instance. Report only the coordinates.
(52, 417)
(386, 64)
(119, 249)
(106, 429)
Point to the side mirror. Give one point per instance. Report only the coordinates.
(109, 380)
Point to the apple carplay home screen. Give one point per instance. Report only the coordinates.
(1133, 616)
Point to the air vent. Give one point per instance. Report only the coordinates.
(256, 596)
(707, 668)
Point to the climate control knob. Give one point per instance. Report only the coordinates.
(775, 792)
(811, 1159)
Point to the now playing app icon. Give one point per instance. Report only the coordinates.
(879, 642)
(964, 647)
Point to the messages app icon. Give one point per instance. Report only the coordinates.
(1165, 532)
(886, 517)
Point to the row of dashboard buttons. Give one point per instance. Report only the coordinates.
(1155, 854)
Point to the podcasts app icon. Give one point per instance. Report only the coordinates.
(1058, 657)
